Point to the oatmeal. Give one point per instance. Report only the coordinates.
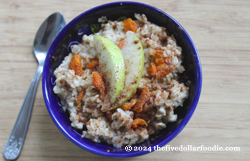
(82, 89)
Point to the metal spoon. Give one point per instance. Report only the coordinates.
(43, 40)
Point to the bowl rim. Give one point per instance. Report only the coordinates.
(173, 134)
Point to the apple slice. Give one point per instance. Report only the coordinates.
(112, 67)
(133, 55)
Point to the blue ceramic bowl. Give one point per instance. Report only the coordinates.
(74, 31)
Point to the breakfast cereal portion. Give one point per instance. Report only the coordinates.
(82, 85)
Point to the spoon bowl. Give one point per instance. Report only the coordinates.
(46, 34)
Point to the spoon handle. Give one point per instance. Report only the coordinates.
(15, 142)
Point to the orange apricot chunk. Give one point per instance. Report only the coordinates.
(92, 64)
(163, 70)
(79, 98)
(158, 53)
(138, 122)
(127, 106)
(76, 65)
(120, 45)
(152, 69)
(98, 83)
(144, 97)
(129, 25)
(159, 61)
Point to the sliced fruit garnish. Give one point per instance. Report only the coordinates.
(133, 56)
(112, 68)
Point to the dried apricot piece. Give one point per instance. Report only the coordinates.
(159, 61)
(126, 106)
(164, 69)
(152, 69)
(76, 64)
(92, 64)
(144, 97)
(79, 98)
(120, 45)
(129, 25)
(158, 53)
(138, 122)
(98, 83)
